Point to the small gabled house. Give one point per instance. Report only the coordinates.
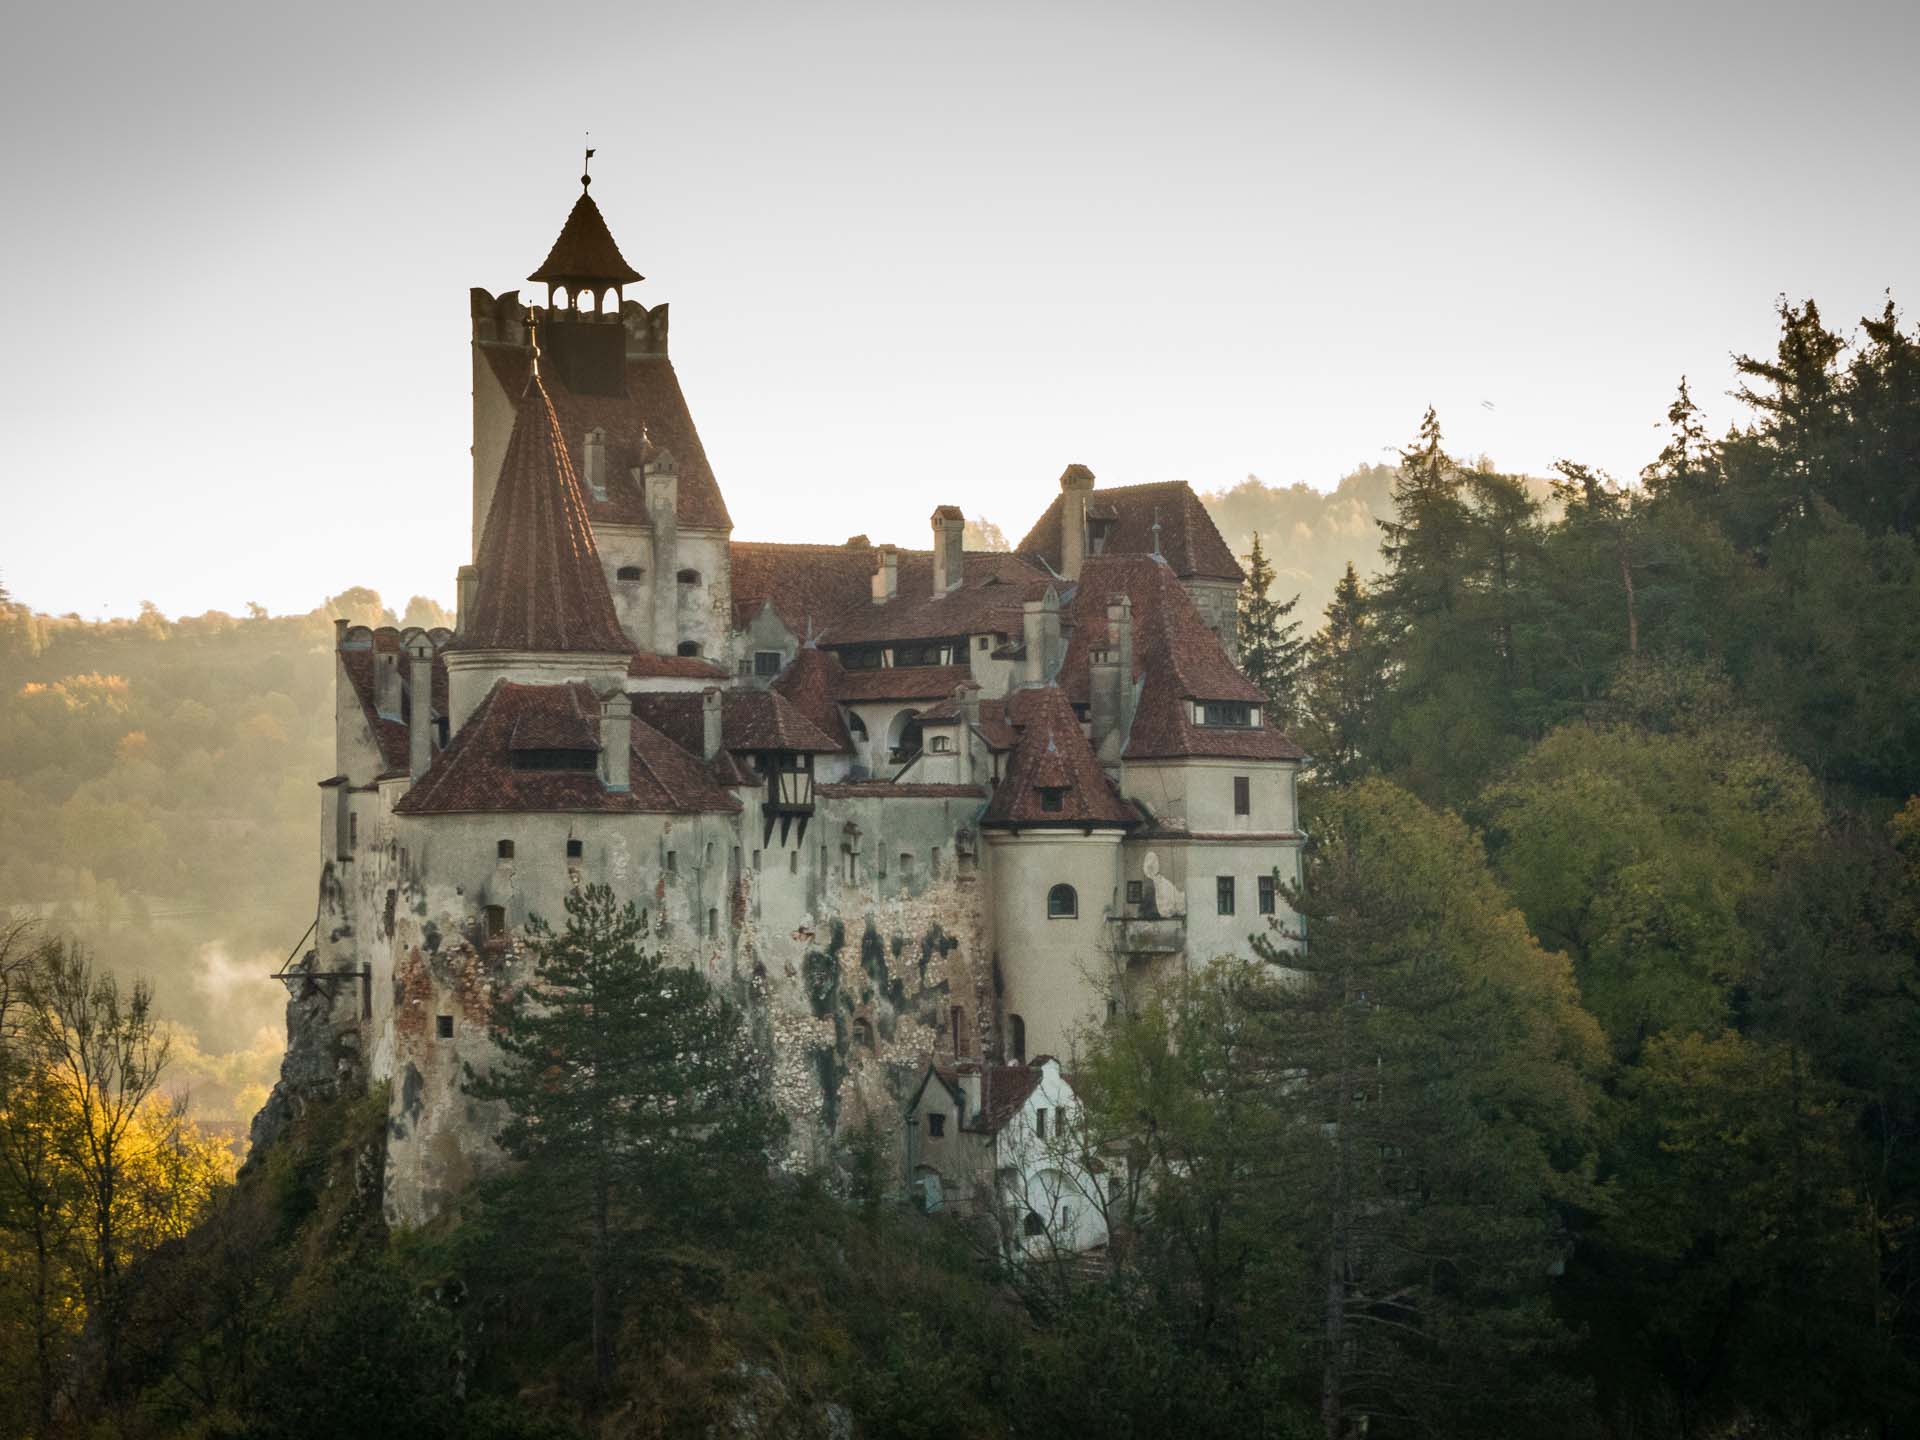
(1006, 1142)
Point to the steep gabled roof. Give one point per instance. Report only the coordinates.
(809, 683)
(540, 587)
(900, 682)
(585, 250)
(476, 774)
(651, 415)
(1053, 754)
(390, 734)
(807, 585)
(1189, 540)
(1177, 660)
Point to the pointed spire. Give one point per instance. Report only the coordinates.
(540, 587)
(585, 255)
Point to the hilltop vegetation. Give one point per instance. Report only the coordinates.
(1593, 1108)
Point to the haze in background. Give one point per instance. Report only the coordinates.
(916, 254)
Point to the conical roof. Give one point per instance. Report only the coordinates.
(540, 587)
(585, 251)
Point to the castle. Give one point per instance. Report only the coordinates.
(926, 812)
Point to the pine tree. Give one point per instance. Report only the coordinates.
(1343, 678)
(628, 1083)
(1270, 648)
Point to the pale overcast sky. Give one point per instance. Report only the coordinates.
(916, 253)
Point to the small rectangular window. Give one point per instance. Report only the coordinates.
(353, 832)
(1040, 1122)
(713, 923)
(1266, 894)
(736, 859)
(575, 849)
(766, 663)
(936, 1125)
(1135, 889)
(673, 862)
(793, 863)
(496, 921)
(443, 1026)
(1223, 894)
(933, 861)
(504, 849)
(1242, 795)
(1052, 799)
(756, 859)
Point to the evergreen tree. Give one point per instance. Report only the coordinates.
(1270, 648)
(630, 1085)
(1343, 679)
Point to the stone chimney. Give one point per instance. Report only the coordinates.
(1110, 680)
(1041, 622)
(616, 741)
(465, 589)
(1076, 484)
(710, 716)
(593, 468)
(969, 722)
(886, 580)
(420, 706)
(662, 477)
(388, 688)
(949, 558)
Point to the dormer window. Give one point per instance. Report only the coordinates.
(1053, 798)
(1238, 714)
(941, 745)
(630, 574)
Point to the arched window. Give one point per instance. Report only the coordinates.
(688, 647)
(1033, 1225)
(940, 744)
(587, 299)
(688, 577)
(1016, 1040)
(1062, 903)
(629, 572)
(560, 297)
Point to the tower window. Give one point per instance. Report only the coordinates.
(1242, 795)
(766, 663)
(504, 849)
(1223, 894)
(1053, 799)
(629, 573)
(957, 1021)
(443, 1026)
(575, 849)
(1266, 894)
(1062, 903)
(688, 577)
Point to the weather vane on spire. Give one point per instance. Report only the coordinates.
(586, 165)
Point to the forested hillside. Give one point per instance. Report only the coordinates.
(1591, 1107)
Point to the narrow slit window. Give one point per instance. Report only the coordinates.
(1223, 894)
(1242, 795)
(443, 1026)
(575, 849)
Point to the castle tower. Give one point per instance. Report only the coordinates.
(540, 609)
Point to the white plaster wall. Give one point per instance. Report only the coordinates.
(1198, 794)
(472, 673)
(1057, 973)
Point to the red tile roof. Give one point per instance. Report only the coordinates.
(1052, 753)
(749, 720)
(1004, 1092)
(806, 584)
(809, 683)
(475, 774)
(645, 665)
(541, 587)
(1177, 660)
(900, 682)
(651, 415)
(1189, 539)
(585, 250)
(988, 602)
